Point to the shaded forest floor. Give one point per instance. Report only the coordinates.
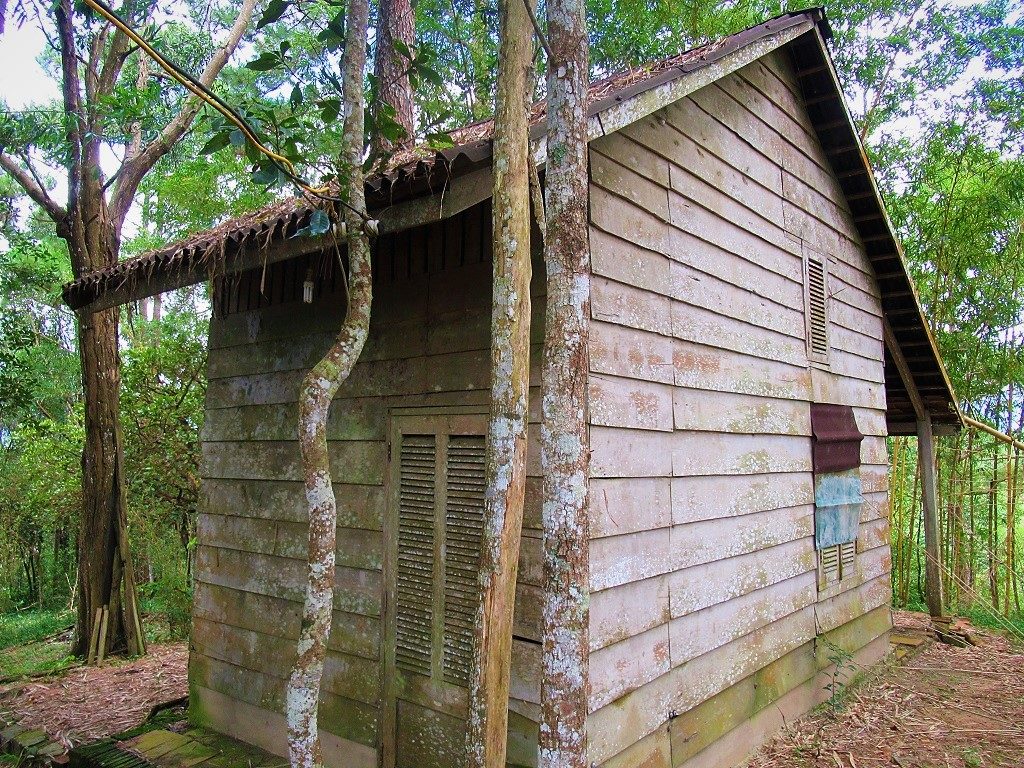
(943, 707)
(88, 703)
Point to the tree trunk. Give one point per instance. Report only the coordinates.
(391, 68)
(317, 391)
(565, 444)
(104, 559)
(91, 227)
(510, 383)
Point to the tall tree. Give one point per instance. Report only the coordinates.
(396, 35)
(317, 391)
(565, 445)
(93, 55)
(510, 386)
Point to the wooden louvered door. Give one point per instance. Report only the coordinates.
(434, 530)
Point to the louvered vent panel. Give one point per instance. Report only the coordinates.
(816, 306)
(464, 515)
(830, 564)
(414, 583)
(847, 557)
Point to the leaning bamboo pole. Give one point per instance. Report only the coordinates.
(1019, 445)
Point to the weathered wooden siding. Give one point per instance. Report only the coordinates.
(703, 562)
(428, 345)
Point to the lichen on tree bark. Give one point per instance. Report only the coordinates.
(565, 449)
(318, 389)
(510, 380)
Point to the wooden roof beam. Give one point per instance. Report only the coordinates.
(893, 345)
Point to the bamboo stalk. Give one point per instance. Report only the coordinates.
(1010, 522)
(994, 432)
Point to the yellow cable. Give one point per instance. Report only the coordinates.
(172, 71)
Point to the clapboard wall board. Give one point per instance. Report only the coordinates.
(428, 346)
(703, 568)
(707, 618)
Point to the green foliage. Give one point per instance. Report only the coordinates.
(37, 368)
(1013, 626)
(28, 645)
(24, 627)
(164, 385)
(843, 667)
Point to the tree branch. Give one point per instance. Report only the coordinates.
(92, 67)
(72, 92)
(116, 56)
(136, 166)
(33, 189)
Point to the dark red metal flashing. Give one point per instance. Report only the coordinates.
(837, 439)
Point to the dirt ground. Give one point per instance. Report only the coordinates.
(943, 707)
(90, 703)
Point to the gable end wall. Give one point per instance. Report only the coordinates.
(703, 569)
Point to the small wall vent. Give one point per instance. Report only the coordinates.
(817, 308)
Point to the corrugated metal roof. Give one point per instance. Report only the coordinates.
(422, 171)
(411, 173)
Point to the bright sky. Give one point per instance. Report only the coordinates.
(22, 80)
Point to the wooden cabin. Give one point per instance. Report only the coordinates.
(754, 338)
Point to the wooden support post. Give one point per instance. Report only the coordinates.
(94, 638)
(933, 552)
(101, 649)
(926, 461)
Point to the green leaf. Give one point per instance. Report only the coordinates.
(266, 175)
(265, 62)
(237, 138)
(330, 109)
(440, 140)
(319, 224)
(296, 98)
(217, 141)
(275, 10)
(431, 75)
(402, 48)
(252, 154)
(334, 35)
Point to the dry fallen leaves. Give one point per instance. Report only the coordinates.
(947, 706)
(91, 703)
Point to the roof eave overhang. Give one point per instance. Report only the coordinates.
(396, 198)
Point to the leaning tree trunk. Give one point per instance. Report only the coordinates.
(510, 386)
(565, 446)
(317, 391)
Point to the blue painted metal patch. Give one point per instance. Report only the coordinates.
(837, 505)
